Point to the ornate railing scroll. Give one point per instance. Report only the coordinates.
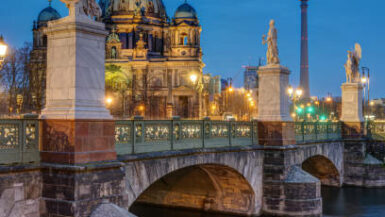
(142, 136)
(307, 132)
(19, 141)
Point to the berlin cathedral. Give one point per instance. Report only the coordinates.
(161, 57)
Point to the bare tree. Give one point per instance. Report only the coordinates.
(14, 78)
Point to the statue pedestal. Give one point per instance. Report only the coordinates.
(78, 142)
(275, 125)
(352, 116)
(75, 70)
(352, 97)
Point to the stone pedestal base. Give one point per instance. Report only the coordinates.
(75, 191)
(287, 189)
(273, 102)
(353, 130)
(352, 102)
(78, 141)
(276, 133)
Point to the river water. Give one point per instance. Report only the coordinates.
(337, 202)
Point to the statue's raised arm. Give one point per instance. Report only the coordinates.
(83, 7)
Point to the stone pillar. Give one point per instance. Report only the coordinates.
(275, 125)
(352, 117)
(288, 190)
(77, 151)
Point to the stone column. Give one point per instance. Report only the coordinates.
(77, 151)
(275, 124)
(288, 190)
(352, 117)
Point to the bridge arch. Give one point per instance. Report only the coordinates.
(225, 181)
(324, 169)
(324, 161)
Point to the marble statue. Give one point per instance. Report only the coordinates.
(272, 46)
(352, 65)
(83, 7)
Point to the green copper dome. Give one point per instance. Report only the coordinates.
(185, 11)
(48, 14)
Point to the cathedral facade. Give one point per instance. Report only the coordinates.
(160, 57)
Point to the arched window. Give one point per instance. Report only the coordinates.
(183, 39)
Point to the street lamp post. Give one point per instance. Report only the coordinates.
(3, 50)
(295, 95)
(367, 82)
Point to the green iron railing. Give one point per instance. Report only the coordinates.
(376, 130)
(307, 132)
(19, 141)
(141, 136)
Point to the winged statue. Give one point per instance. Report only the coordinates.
(352, 65)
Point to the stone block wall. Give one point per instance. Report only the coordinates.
(20, 192)
(362, 169)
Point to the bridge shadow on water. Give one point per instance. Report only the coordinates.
(337, 202)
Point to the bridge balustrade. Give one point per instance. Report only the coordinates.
(376, 135)
(308, 132)
(19, 141)
(133, 136)
(376, 130)
(19, 138)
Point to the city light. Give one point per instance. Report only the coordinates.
(193, 78)
(299, 92)
(364, 80)
(329, 99)
(231, 89)
(310, 109)
(290, 90)
(323, 117)
(299, 110)
(3, 50)
(109, 100)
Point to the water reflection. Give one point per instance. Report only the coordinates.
(142, 210)
(337, 202)
(353, 202)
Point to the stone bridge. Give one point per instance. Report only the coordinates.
(230, 180)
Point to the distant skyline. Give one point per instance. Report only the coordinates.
(232, 35)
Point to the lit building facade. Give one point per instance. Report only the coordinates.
(158, 55)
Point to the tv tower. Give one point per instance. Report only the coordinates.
(304, 77)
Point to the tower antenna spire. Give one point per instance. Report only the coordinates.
(49, 2)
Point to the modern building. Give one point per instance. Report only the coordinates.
(251, 77)
(158, 55)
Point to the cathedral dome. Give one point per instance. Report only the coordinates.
(48, 14)
(186, 11)
(152, 8)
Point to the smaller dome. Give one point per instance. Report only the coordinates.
(186, 11)
(48, 14)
